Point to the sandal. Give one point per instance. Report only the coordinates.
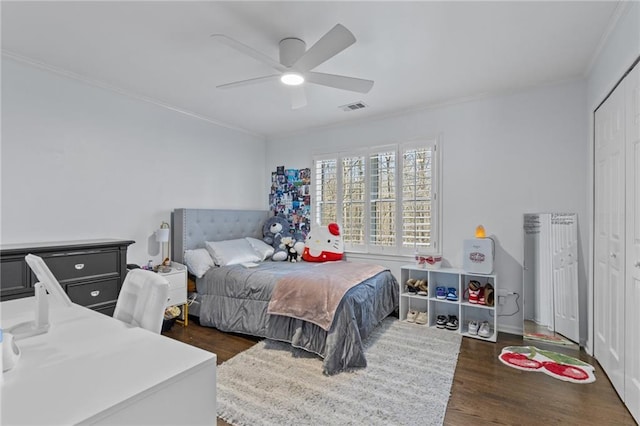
(423, 289)
(488, 295)
(411, 285)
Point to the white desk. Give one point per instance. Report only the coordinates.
(92, 369)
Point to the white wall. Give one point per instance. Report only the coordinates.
(82, 162)
(621, 49)
(502, 157)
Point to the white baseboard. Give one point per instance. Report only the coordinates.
(510, 329)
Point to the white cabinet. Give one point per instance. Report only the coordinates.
(462, 309)
(177, 278)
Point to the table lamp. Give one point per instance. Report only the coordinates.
(162, 236)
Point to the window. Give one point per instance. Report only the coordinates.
(384, 198)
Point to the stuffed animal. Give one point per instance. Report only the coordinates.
(288, 244)
(323, 243)
(274, 229)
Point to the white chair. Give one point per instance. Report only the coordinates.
(142, 300)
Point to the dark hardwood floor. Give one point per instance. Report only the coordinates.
(484, 391)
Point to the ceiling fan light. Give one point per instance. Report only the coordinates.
(292, 78)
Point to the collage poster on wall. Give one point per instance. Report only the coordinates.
(291, 196)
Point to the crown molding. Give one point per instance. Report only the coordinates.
(106, 86)
(621, 8)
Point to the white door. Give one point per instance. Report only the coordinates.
(564, 249)
(632, 323)
(609, 305)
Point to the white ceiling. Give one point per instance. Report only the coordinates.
(418, 53)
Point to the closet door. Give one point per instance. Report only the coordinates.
(609, 288)
(632, 323)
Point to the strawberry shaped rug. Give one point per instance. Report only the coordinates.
(560, 366)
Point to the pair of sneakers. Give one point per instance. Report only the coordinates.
(482, 329)
(417, 317)
(419, 287)
(449, 322)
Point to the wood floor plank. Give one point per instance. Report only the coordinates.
(484, 390)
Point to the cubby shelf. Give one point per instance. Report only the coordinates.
(462, 309)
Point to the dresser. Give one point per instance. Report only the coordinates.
(90, 271)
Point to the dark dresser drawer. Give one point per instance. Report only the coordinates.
(13, 275)
(94, 292)
(71, 266)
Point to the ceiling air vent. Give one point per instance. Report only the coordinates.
(354, 106)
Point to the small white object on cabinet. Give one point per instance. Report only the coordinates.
(462, 308)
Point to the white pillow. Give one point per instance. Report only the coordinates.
(198, 261)
(231, 252)
(264, 250)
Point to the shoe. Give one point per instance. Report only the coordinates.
(422, 318)
(452, 323)
(481, 300)
(474, 285)
(423, 289)
(441, 321)
(441, 293)
(411, 316)
(452, 294)
(411, 285)
(485, 330)
(474, 291)
(488, 295)
(473, 327)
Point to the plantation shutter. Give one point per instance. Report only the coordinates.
(326, 191)
(353, 202)
(382, 201)
(417, 198)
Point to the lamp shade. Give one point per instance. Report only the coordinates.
(162, 235)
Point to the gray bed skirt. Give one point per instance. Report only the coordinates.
(235, 299)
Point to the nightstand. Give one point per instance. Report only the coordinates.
(177, 278)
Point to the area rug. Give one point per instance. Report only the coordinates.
(407, 382)
(560, 366)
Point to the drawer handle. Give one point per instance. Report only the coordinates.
(79, 266)
(95, 293)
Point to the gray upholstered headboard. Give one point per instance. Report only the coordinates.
(192, 227)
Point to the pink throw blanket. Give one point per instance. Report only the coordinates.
(314, 295)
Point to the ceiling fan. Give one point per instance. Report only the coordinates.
(296, 64)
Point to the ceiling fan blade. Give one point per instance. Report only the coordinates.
(249, 51)
(298, 97)
(340, 82)
(335, 41)
(248, 82)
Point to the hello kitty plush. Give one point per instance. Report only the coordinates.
(323, 243)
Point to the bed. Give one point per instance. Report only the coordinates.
(236, 299)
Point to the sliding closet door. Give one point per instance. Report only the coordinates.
(609, 288)
(632, 323)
